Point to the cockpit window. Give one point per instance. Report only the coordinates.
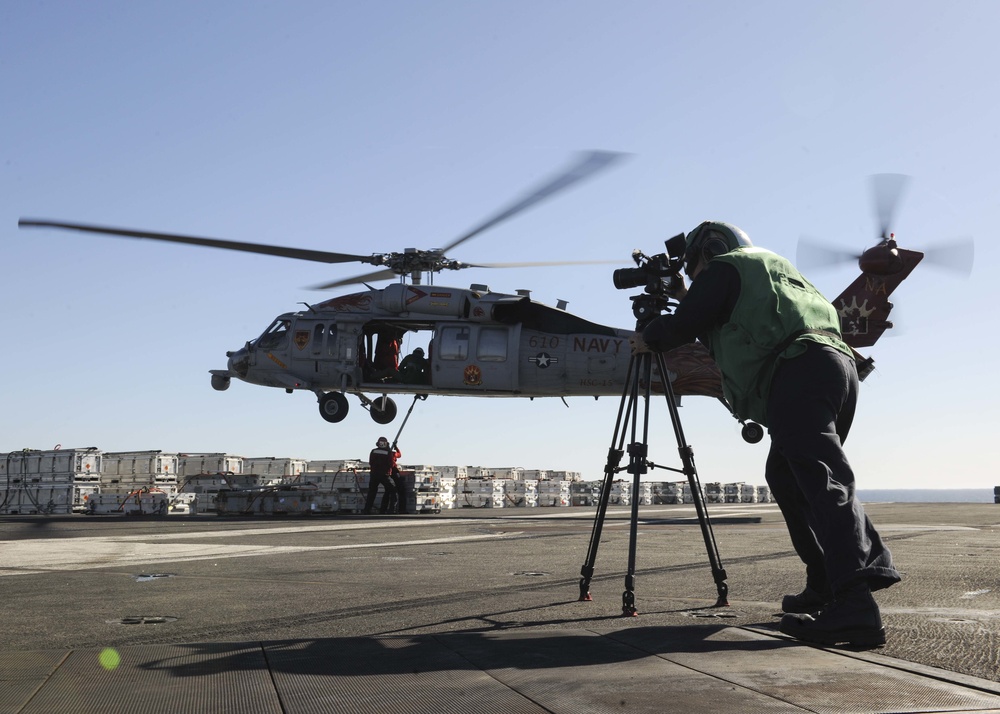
(275, 336)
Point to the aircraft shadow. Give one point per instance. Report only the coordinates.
(459, 651)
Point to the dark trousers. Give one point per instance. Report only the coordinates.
(398, 503)
(809, 413)
(374, 482)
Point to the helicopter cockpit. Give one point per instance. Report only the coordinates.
(275, 336)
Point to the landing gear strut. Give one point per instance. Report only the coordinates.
(383, 410)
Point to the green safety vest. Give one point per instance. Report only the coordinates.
(776, 313)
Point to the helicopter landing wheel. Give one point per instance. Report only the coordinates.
(333, 407)
(752, 432)
(383, 410)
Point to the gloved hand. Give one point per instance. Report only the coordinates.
(677, 288)
(638, 344)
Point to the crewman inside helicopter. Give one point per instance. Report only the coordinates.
(385, 365)
(414, 369)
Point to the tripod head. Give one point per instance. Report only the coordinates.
(648, 306)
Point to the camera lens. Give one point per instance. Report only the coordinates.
(625, 278)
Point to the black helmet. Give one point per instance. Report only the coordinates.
(419, 352)
(712, 238)
(382, 442)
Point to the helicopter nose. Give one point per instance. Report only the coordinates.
(239, 362)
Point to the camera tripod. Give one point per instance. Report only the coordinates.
(640, 376)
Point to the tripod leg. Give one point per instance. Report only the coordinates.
(718, 572)
(687, 459)
(638, 451)
(587, 571)
(611, 467)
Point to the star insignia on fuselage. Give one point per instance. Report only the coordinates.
(543, 360)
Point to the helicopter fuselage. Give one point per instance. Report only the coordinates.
(476, 343)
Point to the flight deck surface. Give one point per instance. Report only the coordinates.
(476, 610)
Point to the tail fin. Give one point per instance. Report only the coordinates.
(864, 306)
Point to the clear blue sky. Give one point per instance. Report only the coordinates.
(363, 127)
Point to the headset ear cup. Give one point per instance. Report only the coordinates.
(712, 247)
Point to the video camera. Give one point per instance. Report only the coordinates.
(659, 275)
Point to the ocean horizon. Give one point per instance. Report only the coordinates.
(925, 495)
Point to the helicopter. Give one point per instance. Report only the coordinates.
(864, 305)
(480, 342)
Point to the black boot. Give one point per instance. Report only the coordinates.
(852, 618)
(806, 602)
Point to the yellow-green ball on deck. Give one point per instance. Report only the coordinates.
(109, 658)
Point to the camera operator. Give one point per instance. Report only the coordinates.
(778, 344)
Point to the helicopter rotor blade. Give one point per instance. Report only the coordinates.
(812, 255)
(386, 274)
(956, 255)
(319, 256)
(887, 192)
(536, 264)
(587, 165)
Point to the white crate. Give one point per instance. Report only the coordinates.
(351, 501)
(336, 481)
(54, 461)
(194, 464)
(421, 478)
(621, 493)
(421, 468)
(471, 499)
(138, 463)
(480, 493)
(585, 493)
(32, 500)
(126, 489)
(82, 493)
(136, 482)
(324, 502)
(553, 493)
(186, 503)
(565, 476)
(455, 472)
(483, 485)
(136, 503)
(360, 480)
(210, 483)
(58, 479)
(335, 465)
(423, 502)
(277, 502)
(447, 493)
(508, 472)
(522, 493)
(274, 467)
(239, 503)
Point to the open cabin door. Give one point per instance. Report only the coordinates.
(470, 356)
